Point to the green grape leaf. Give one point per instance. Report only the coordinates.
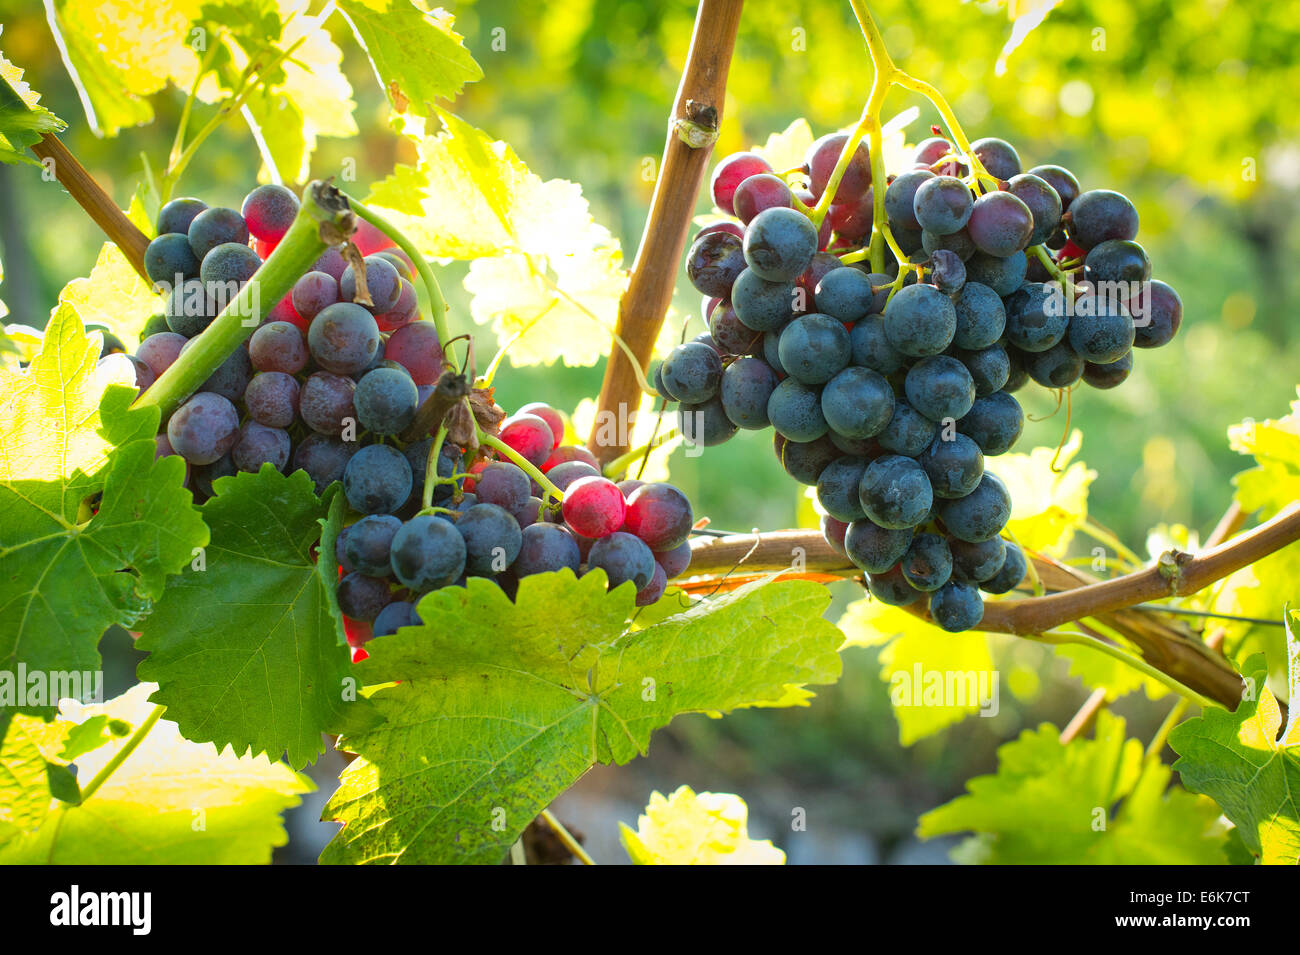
(113, 295)
(1238, 760)
(23, 121)
(95, 732)
(1274, 482)
(68, 571)
(502, 705)
(278, 124)
(248, 649)
(170, 802)
(1050, 803)
(24, 788)
(541, 266)
(1257, 591)
(417, 57)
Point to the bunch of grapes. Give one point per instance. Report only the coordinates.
(887, 396)
(332, 387)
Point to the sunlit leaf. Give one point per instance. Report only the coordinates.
(690, 829)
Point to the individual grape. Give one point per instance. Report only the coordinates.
(152, 326)
(747, 384)
(1117, 260)
(1099, 215)
(623, 557)
(857, 403)
(837, 488)
(998, 157)
(160, 350)
(492, 539)
(1062, 182)
(994, 423)
(528, 513)
(1018, 377)
(553, 419)
(890, 587)
(177, 215)
(899, 197)
(762, 305)
(269, 210)
(989, 368)
(981, 317)
(930, 151)
(1000, 224)
(821, 159)
(940, 387)
(660, 515)
(1013, 570)
(954, 466)
(845, 294)
(979, 515)
(772, 352)
(956, 607)
(730, 173)
(1101, 333)
(628, 485)
(563, 475)
(427, 553)
(676, 561)
(231, 377)
(325, 402)
(1157, 314)
(362, 597)
(344, 339)
(1043, 202)
(400, 261)
(382, 282)
(331, 263)
(368, 546)
(169, 260)
(1058, 367)
(977, 563)
(654, 590)
(920, 320)
(795, 411)
(190, 308)
(959, 243)
(394, 617)
(121, 367)
(1036, 317)
(1109, 375)
(567, 452)
(872, 348)
(594, 506)
(503, 484)
(731, 335)
(313, 293)
(704, 338)
(369, 239)
(204, 428)
(258, 445)
(927, 564)
(873, 548)
(530, 436)
(386, 400)
(272, 399)
(206, 475)
(416, 348)
(692, 373)
(763, 191)
(545, 548)
(278, 346)
(909, 432)
(214, 227)
(851, 220)
(804, 460)
(714, 262)
(377, 480)
(946, 272)
(941, 205)
(814, 348)
(778, 246)
(323, 458)
(895, 492)
(1003, 275)
(833, 532)
(705, 424)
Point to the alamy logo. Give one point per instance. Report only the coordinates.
(946, 688)
(75, 907)
(25, 687)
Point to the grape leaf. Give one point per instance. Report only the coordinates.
(1275, 480)
(690, 829)
(417, 57)
(113, 295)
(249, 650)
(1238, 760)
(23, 121)
(502, 706)
(67, 571)
(541, 265)
(1050, 803)
(170, 802)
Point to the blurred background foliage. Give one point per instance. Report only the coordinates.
(1184, 105)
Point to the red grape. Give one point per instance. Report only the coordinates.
(594, 507)
(550, 416)
(761, 192)
(731, 172)
(530, 435)
(416, 348)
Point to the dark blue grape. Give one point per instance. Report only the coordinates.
(895, 492)
(190, 308)
(779, 244)
(845, 294)
(394, 617)
(891, 587)
(449, 460)
(177, 215)
(169, 260)
(762, 305)
(386, 400)
(1109, 375)
(1036, 317)
(998, 157)
(1013, 570)
(1058, 367)
(427, 553)
(772, 351)
(959, 243)
(226, 268)
(1117, 261)
(1100, 331)
(344, 339)
(323, 458)
(377, 480)
(623, 557)
(1099, 215)
(940, 387)
(872, 348)
(989, 368)
(1062, 181)
(1157, 314)
(362, 597)
(804, 460)
(258, 445)
(954, 466)
(492, 539)
(956, 607)
(747, 384)
(994, 423)
(692, 372)
(313, 293)
(1042, 201)
(979, 515)
(900, 195)
(714, 262)
(1000, 224)
(873, 548)
(976, 563)
(676, 561)
(920, 320)
(814, 348)
(1018, 377)
(942, 205)
(369, 544)
(837, 488)
(927, 565)
(980, 316)
(1003, 275)
(795, 411)
(857, 403)
(705, 424)
(214, 227)
(909, 432)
